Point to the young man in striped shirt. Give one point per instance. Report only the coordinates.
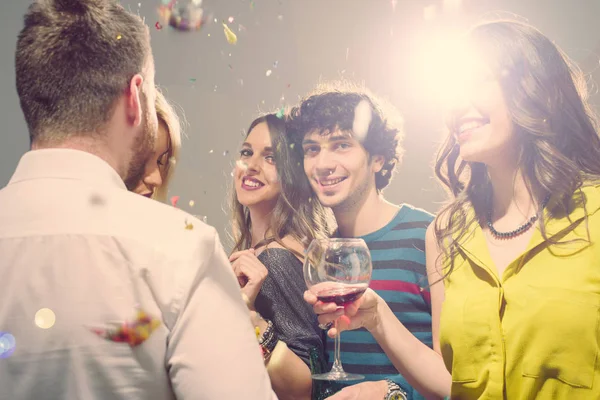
(350, 150)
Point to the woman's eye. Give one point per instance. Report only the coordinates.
(245, 153)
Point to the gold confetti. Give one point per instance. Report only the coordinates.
(119, 37)
(229, 35)
(189, 226)
(192, 203)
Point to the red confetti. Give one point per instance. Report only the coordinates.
(133, 333)
(174, 200)
(158, 25)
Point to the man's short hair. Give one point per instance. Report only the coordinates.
(74, 59)
(332, 107)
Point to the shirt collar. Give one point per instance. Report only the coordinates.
(475, 245)
(66, 164)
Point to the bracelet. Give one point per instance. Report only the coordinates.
(268, 340)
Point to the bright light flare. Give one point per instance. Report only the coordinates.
(448, 70)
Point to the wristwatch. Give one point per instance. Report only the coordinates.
(394, 392)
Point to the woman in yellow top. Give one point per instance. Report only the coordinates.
(513, 258)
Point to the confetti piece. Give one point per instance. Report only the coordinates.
(192, 202)
(193, 80)
(362, 120)
(275, 64)
(189, 226)
(158, 26)
(280, 113)
(211, 151)
(226, 152)
(96, 200)
(230, 19)
(119, 37)
(133, 332)
(269, 72)
(174, 201)
(229, 34)
(45, 318)
(252, 5)
(229, 65)
(8, 344)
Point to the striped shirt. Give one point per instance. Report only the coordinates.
(399, 277)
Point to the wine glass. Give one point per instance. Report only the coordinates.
(337, 271)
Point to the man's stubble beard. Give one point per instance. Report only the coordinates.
(142, 150)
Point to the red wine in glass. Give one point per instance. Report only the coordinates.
(341, 294)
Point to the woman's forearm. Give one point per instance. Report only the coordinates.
(290, 376)
(421, 366)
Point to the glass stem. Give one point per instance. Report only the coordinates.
(337, 365)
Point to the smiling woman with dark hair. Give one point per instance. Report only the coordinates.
(513, 257)
(271, 232)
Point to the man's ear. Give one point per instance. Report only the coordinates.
(377, 163)
(133, 101)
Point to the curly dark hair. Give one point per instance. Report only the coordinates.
(331, 107)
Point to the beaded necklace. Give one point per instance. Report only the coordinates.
(516, 232)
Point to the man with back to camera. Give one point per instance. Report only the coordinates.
(107, 294)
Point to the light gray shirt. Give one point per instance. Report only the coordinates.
(80, 255)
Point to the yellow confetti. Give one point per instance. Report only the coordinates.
(229, 35)
(189, 226)
(192, 202)
(257, 331)
(119, 37)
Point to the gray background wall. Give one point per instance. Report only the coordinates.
(221, 87)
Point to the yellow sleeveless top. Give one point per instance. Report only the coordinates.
(533, 333)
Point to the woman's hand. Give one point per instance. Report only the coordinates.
(358, 314)
(250, 272)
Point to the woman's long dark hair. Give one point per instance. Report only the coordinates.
(297, 213)
(546, 96)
